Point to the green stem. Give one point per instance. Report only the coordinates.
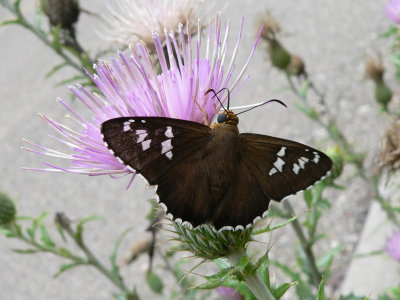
(256, 285)
(305, 245)
(40, 34)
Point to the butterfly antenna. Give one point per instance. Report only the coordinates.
(272, 100)
(216, 96)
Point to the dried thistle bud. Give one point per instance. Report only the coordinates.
(296, 66)
(63, 13)
(140, 246)
(7, 210)
(271, 26)
(374, 69)
(389, 157)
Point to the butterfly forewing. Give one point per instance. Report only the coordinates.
(283, 167)
(150, 145)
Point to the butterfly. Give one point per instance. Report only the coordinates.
(213, 175)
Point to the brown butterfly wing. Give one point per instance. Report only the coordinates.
(283, 167)
(151, 145)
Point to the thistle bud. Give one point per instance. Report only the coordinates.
(271, 26)
(208, 243)
(280, 57)
(336, 155)
(139, 247)
(383, 94)
(374, 70)
(7, 210)
(63, 13)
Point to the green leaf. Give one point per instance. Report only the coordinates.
(321, 291)
(352, 297)
(304, 89)
(55, 34)
(25, 251)
(55, 69)
(73, 79)
(273, 227)
(391, 31)
(281, 290)
(303, 290)
(325, 262)
(241, 288)
(82, 223)
(154, 282)
(113, 256)
(153, 210)
(218, 279)
(372, 253)
(45, 237)
(10, 22)
(36, 223)
(7, 232)
(66, 267)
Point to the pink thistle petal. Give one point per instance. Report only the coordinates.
(130, 86)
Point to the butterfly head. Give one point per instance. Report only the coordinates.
(227, 117)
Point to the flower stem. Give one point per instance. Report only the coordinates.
(305, 245)
(14, 9)
(256, 285)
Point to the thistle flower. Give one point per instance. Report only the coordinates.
(130, 86)
(133, 20)
(229, 293)
(392, 11)
(393, 246)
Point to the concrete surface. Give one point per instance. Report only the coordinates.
(332, 36)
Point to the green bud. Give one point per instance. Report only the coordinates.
(383, 94)
(63, 13)
(154, 282)
(206, 242)
(280, 57)
(7, 210)
(336, 155)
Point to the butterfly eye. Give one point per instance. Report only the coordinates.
(221, 118)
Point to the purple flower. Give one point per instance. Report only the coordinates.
(393, 246)
(392, 11)
(229, 293)
(130, 86)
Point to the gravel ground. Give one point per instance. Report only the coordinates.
(333, 37)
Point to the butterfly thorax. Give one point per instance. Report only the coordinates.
(223, 151)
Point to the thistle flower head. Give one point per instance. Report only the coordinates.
(206, 242)
(393, 246)
(229, 293)
(392, 11)
(130, 86)
(374, 69)
(133, 20)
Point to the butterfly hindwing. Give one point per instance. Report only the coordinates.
(150, 145)
(283, 167)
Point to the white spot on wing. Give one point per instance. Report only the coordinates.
(166, 146)
(279, 164)
(127, 126)
(142, 134)
(146, 145)
(296, 168)
(301, 163)
(169, 155)
(272, 171)
(143, 121)
(168, 132)
(281, 152)
(305, 159)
